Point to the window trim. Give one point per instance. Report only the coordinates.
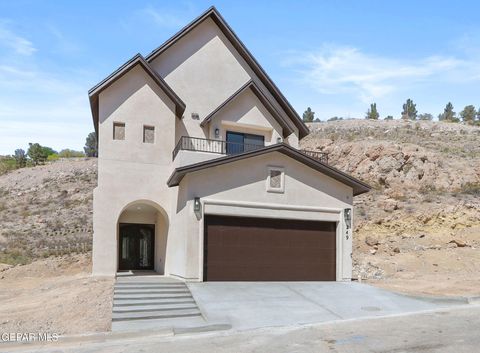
(269, 188)
(119, 123)
(154, 134)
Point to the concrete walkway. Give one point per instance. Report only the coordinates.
(247, 305)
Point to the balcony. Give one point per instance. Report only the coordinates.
(220, 147)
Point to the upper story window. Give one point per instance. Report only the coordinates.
(238, 142)
(148, 134)
(119, 131)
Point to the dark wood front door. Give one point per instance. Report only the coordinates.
(136, 247)
(260, 249)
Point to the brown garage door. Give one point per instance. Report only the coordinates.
(258, 249)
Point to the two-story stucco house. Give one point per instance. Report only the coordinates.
(200, 175)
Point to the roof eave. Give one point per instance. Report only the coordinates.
(250, 84)
(138, 59)
(358, 186)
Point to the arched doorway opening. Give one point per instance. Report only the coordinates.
(142, 234)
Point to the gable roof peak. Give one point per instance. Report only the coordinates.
(215, 15)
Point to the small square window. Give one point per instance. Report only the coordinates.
(148, 134)
(276, 179)
(119, 131)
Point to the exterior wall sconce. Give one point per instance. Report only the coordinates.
(196, 204)
(279, 139)
(217, 132)
(347, 215)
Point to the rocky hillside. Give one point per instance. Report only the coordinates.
(46, 210)
(421, 222)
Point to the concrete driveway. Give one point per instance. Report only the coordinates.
(247, 305)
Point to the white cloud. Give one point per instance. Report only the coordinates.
(14, 42)
(348, 70)
(42, 106)
(163, 18)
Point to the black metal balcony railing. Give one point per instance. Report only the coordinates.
(320, 156)
(187, 143)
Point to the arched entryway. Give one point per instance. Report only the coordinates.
(142, 234)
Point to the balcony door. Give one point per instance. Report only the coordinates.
(238, 142)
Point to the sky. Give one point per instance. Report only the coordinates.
(336, 57)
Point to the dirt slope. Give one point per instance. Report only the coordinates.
(418, 230)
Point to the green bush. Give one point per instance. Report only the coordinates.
(53, 157)
(68, 153)
(7, 163)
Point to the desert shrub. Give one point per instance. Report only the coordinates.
(471, 188)
(68, 153)
(15, 257)
(53, 157)
(427, 189)
(6, 164)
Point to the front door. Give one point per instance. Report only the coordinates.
(136, 248)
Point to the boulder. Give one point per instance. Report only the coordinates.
(371, 240)
(459, 243)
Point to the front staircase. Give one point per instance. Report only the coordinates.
(149, 302)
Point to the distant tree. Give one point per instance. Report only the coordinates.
(317, 120)
(48, 151)
(372, 112)
(448, 114)
(468, 114)
(68, 153)
(335, 118)
(425, 116)
(409, 110)
(478, 116)
(308, 115)
(20, 158)
(91, 145)
(37, 153)
(388, 117)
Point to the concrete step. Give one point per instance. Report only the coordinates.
(140, 297)
(149, 315)
(150, 282)
(151, 291)
(150, 307)
(149, 286)
(134, 303)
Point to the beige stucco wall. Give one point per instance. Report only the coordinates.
(199, 63)
(129, 170)
(246, 114)
(239, 188)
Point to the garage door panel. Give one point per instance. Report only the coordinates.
(257, 249)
